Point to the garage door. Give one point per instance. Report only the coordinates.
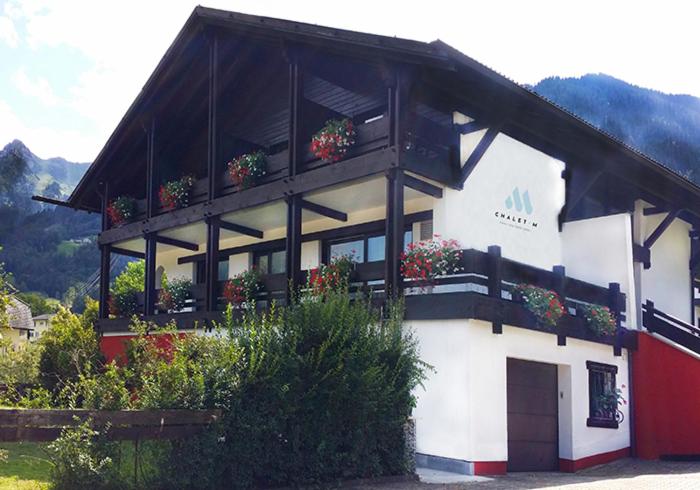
(532, 416)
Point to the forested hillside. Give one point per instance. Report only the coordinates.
(47, 249)
(665, 127)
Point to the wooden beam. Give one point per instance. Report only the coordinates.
(694, 262)
(128, 253)
(151, 172)
(654, 210)
(422, 186)
(177, 243)
(470, 127)
(478, 152)
(293, 245)
(212, 264)
(324, 211)
(213, 177)
(663, 226)
(105, 260)
(578, 184)
(243, 230)
(150, 279)
(394, 232)
(296, 96)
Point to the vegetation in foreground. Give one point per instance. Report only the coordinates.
(311, 394)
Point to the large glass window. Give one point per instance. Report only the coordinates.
(270, 262)
(364, 249)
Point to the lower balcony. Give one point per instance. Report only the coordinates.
(484, 289)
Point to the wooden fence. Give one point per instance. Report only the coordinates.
(133, 425)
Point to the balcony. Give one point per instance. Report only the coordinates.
(483, 290)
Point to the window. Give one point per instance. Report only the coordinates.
(200, 271)
(364, 248)
(602, 396)
(270, 261)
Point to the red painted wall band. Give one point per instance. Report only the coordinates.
(490, 467)
(571, 466)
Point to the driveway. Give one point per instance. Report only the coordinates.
(623, 474)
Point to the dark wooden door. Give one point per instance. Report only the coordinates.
(533, 427)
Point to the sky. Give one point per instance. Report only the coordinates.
(69, 69)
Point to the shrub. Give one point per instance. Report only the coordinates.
(599, 319)
(69, 349)
(426, 260)
(105, 391)
(174, 295)
(123, 300)
(18, 366)
(311, 393)
(82, 458)
(543, 303)
(240, 290)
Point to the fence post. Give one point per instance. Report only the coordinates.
(615, 306)
(648, 315)
(559, 287)
(495, 267)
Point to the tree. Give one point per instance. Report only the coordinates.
(70, 348)
(4, 297)
(38, 302)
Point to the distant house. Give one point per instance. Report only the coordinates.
(21, 324)
(41, 324)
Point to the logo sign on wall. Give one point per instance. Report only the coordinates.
(518, 211)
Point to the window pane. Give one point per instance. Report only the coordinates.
(376, 247)
(278, 264)
(261, 262)
(223, 270)
(407, 238)
(355, 248)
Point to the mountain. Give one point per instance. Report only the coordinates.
(663, 126)
(48, 249)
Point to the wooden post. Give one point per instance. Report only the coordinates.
(211, 261)
(149, 302)
(614, 303)
(105, 260)
(648, 315)
(295, 103)
(213, 177)
(394, 232)
(559, 287)
(293, 244)
(495, 268)
(151, 173)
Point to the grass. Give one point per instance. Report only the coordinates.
(26, 467)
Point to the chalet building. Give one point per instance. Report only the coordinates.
(442, 145)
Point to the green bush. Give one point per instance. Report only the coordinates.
(82, 458)
(69, 349)
(313, 393)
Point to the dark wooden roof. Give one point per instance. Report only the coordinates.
(531, 117)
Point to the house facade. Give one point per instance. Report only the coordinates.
(21, 327)
(442, 146)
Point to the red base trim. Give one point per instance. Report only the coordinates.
(572, 466)
(490, 467)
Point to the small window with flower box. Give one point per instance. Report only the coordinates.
(604, 397)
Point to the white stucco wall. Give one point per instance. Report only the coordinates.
(462, 412)
(477, 216)
(599, 251)
(667, 282)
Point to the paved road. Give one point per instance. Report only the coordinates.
(622, 474)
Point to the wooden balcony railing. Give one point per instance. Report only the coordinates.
(427, 145)
(484, 290)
